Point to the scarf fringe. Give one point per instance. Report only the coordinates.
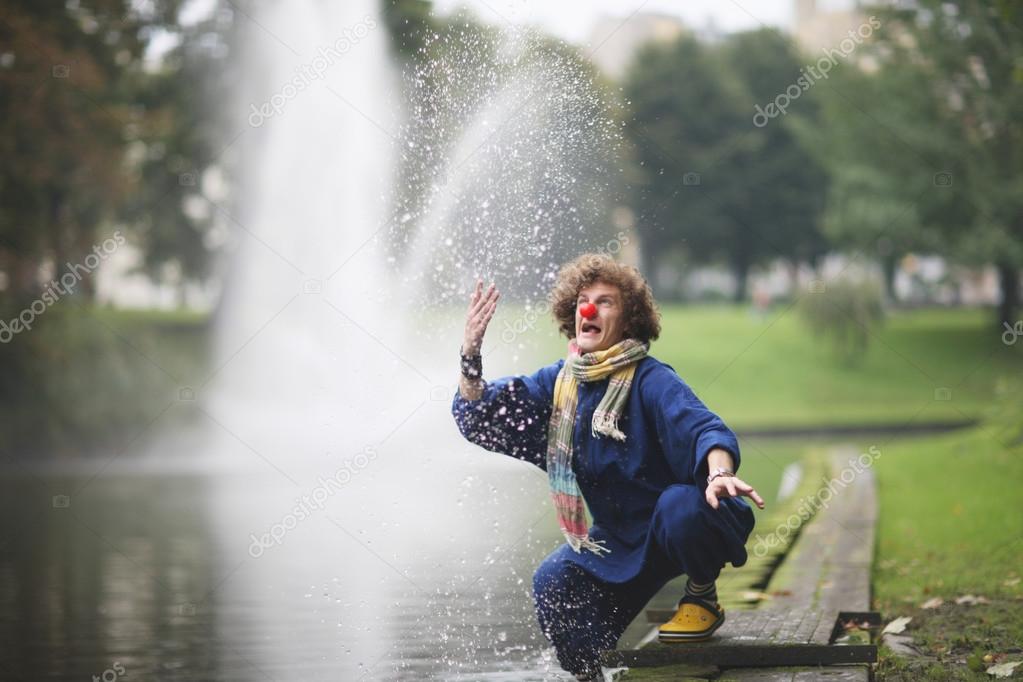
(580, 543)
(607, 424)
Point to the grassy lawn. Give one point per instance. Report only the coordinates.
(772, 372)
(951, 525)
(951, 520)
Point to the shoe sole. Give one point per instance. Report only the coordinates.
(685, 637)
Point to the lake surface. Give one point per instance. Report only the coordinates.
(156, 574)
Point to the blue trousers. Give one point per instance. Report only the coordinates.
(582, 615)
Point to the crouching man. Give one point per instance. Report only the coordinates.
(619, 432)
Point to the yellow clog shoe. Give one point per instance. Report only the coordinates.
(695, 621)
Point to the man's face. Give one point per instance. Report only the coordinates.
(607, 328)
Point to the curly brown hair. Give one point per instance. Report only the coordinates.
(642, 318)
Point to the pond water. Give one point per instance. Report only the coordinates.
(157, 576)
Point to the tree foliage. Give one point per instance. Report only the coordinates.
(925, 147)
(710, 180)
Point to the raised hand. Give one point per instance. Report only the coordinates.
(482, 305)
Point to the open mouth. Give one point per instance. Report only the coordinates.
(590, 329)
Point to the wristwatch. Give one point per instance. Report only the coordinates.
(720, 471)
(472, 365)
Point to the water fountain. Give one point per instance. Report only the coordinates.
(354, 525)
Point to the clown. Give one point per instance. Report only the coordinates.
(621, 434)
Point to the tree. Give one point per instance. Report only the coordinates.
(956, 124)
(870, 135)
(185, 135)
(92, 137)
(727, 188)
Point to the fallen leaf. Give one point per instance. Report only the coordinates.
(753, 595)
(900, 644)
(970, 600)
(897, 625)
(932, 603)
(1003, 669)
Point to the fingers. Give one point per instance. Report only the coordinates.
(475, 294)
(734, 487)
(488, 306)
(480, 300)
(491, 309)
(482, 305)
(747, 490)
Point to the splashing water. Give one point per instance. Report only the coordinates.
(368, 200)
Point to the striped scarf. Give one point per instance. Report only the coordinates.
(618, 361)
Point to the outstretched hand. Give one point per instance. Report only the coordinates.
(730, 486)
(481, 308)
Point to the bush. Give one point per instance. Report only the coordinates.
(846, 312)
(87, 380)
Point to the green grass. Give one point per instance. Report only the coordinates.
(182, 319)
(773, 372)
(951, 519)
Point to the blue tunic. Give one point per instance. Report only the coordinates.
(669, 432)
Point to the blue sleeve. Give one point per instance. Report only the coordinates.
(686, 428)
(512, 415)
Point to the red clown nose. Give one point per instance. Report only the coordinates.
(588, 310)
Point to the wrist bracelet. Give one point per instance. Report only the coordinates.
(472, 365)
(720, 471)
